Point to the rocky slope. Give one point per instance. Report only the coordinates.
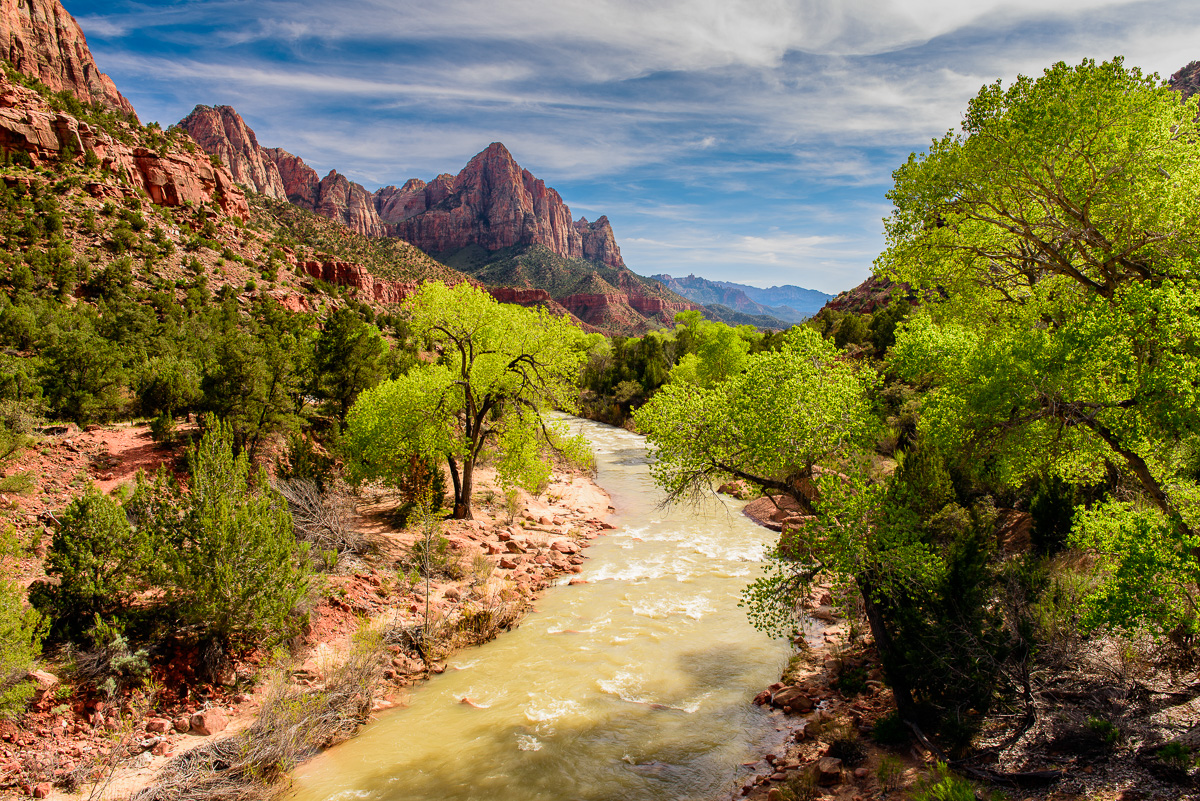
(172, 171)
(1187, 80)
(40, 39)
(608, 299)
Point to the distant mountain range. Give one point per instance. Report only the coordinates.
(788, 304)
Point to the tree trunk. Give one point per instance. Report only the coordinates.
(462, 497)
(892, 663)
(454, 477)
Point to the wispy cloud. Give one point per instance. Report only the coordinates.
(747, 139)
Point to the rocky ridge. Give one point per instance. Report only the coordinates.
(493, 220)
(492, 203)
(40, 39)
(495, 204)
(171, 175)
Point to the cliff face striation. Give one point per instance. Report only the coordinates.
(222, 132)
(40, 39)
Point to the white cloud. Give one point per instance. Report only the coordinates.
(696, 125)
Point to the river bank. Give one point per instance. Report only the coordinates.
(637, 684)
(499, 562)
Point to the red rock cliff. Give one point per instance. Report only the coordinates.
(340, 199)
(221, 131)
(495, 204)
(334, 196)
(300, 181)
(39, 38)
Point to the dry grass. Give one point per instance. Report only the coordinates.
(293, 725)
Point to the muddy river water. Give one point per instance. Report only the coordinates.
(636, 685)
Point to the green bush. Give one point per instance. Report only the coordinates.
(890, 730)
(100, 560)
(162, 427)
(944, 786)
(1176, 754)
(82, 377)
(1106, 730)
(20, 633)
(235, 571)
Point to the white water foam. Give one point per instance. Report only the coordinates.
(628, 687)
(527, 742)
(544, 710)
(659, 608)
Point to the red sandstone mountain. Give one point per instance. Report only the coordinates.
(221, 131)
(39, 38)
(495, 204)
(169, 176)
(492, 203)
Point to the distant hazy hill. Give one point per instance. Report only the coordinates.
(806, 302)
(791, 304)
(724, 314)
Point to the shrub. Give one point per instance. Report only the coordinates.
(890, 730)
(236, 573)
(889, 773)
(162, 427)
(1106, 730)
(100, 560)
(20, 633)
(944, 786)
(83, 377)
(110, 664)
(1176, 754)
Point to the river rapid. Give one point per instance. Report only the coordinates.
(636, 685)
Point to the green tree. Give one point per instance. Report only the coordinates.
(235, 572)
(83, 376)
(349, 358)
(255, 370)
(1062, 224)
(789, 413)
(100, 561)
(501, 368)
(1060, 231)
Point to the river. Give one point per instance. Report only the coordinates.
(636, 685)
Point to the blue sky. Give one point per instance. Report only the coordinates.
(740, 140)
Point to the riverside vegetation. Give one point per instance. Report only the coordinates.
(999, 470)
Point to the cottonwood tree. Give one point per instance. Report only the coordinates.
(1061, 231)
(501, 367)
(798, 422)
(790, 413)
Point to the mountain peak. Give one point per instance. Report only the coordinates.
(495, 204)
(221, 131)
